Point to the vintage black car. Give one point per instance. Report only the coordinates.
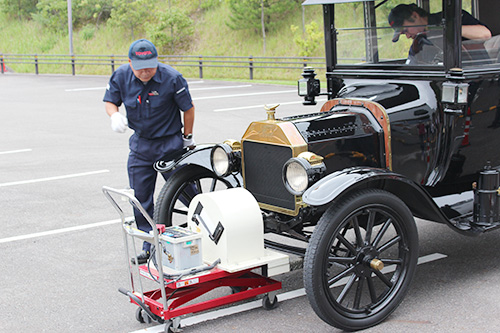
(397, 139)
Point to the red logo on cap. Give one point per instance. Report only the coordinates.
(138, 53)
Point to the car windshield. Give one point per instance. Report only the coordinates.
(365, 44)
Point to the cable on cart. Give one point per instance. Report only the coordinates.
(180, 275)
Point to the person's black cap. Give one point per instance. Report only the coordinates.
(398, 15)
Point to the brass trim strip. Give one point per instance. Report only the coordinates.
(281, 209)
(377, 111)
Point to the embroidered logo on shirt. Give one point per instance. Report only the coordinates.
(153, 93)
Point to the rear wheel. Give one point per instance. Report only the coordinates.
(171, 207)
(361, 259)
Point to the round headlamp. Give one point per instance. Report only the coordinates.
(295, 176)
(224, 160)
(299, 173)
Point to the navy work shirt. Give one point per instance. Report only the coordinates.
(467, 19)
(152, 108)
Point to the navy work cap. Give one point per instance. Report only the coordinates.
(143, 54)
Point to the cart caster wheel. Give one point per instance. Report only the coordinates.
(173, 326)
(142, 316)
(269, 304)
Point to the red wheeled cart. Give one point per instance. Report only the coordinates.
(177, 295)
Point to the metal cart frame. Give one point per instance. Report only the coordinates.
(170, 300)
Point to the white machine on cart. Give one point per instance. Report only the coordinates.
(230, 228)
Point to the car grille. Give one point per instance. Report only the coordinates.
(262, 167)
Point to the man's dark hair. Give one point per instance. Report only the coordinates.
(403, 12)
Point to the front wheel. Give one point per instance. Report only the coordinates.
(361, 259)
(172, 205)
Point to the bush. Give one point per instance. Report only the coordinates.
(87, 32)
(52, 14)
(173, 32)
(19, 9)
(309, 42)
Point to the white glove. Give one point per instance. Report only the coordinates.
(188, 142)
(119, 122)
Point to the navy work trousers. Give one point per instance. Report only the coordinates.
(142, 176)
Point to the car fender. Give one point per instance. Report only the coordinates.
(339, 183)
(199, 155)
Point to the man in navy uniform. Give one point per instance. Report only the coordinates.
(154, 94)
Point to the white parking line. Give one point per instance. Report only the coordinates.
(261, 106)
(258, 303)
(15, 151)
(85, 89)
(249, 94)
(31, 181)
(213, 88)
(58, 231)
(217, 88)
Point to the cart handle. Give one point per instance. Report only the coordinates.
(154, 238)
(133, 200)
(134, 232)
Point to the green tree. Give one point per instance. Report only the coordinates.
(258, 15)
(245, 14)
(308, 42)
(172, 32)
(92, 11)
(207, 4)
(132, 14)
(19, 9)
(52, 14)
(252, 14)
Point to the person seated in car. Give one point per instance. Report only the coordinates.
(414, 22)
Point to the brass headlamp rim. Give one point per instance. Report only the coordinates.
(234, 144)
(310, 157)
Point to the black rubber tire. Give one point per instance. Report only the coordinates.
(169, 327)
(362, 228)
(268, 304)
(138, 315)
(169, 204)
(142, 316)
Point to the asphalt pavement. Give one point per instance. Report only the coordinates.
(62, 253)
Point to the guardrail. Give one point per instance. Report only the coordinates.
(200, 62)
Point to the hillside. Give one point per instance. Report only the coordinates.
(212, 37)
